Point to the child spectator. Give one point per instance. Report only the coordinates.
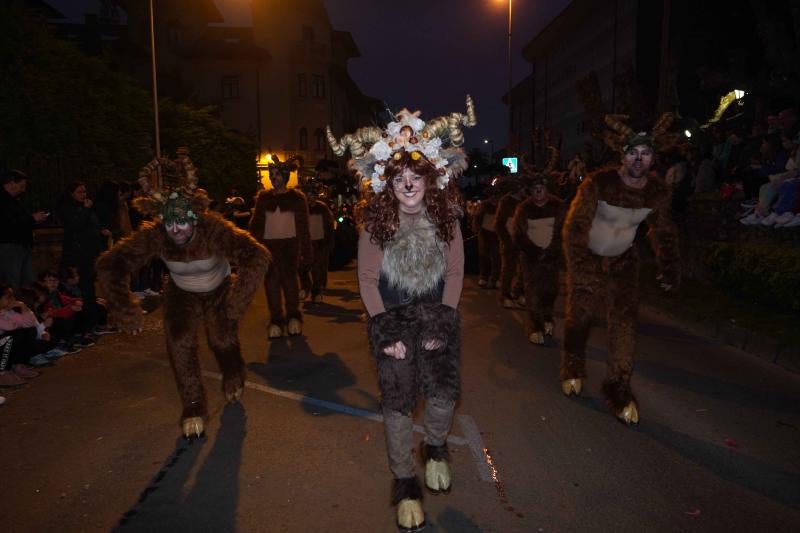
(19, 330)
(64, 310)
(70, 286)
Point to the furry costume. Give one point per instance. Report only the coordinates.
(510, 270)
(411, 269)
(488, 247)
(321, 226)
(537, 234)
(291, 251)
(220, 308)
(601, 266)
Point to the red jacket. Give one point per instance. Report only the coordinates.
(58, 305)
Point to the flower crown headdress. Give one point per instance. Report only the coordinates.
(371, 148)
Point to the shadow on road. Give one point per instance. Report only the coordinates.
(167, 504)
(338, 314)
(291, 365)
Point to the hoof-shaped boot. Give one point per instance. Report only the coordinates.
(407, 496)
(629, 414)
(295, 327)
(537, 337)
(549, 328)
(193, 427)
(274, 331)
(438, 477)
(572, 386)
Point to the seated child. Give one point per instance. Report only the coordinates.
(19, 330)
(70, 285)
(65, 312)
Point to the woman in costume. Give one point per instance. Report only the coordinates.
(411, 270)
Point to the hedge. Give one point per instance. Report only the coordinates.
(763, 274)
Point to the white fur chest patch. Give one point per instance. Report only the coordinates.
(316, 228)
(414, 260)
(614, 228)
(540, 231)
(200, 275)
(279, 225)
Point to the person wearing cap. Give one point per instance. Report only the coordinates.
(603, 264)
(197, 247)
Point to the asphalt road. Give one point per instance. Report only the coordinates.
(93, 443)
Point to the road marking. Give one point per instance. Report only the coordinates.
(472, 438)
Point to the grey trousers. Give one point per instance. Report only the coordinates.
(399, 429)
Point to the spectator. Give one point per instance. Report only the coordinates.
(18, 334)
(82, 244)
(768, 192)
(16, 231)
(70, 286)
(66, 312)
(107, 209)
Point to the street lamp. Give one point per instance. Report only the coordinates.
(155, 93)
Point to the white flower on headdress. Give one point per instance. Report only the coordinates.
(441, 162)
(442, 181)
(379, 169)
(173, 196)
(413, 148)
(190, 214)
(377, 184)
(381, 151)
(431, 148)
(393, 129)
(416, 124)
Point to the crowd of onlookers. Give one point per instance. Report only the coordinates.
(57, 312)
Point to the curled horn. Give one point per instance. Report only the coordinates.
(357, 142)
(449, 127)
(615, 123)
(552, 162)
(663, 124)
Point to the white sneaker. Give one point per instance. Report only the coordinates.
(783, 219)
(794, 222)
(751, 219)
(770, 219)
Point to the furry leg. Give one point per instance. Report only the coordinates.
(272, 287)
(397, 378)
(437, 370)
(223, 338)
(182, 314)
(623, 297)
(508, 267)
(582, 297)
(399, 431)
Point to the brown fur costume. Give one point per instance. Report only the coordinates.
(315, 280)
(540, 266)
(220, 309)
(510, 286)
(488, 246)
(288, 255)
(591, 277)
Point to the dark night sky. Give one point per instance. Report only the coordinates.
(424, 54)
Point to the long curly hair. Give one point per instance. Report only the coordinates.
(379, 213)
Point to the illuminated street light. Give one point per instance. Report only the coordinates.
(738, 93)
(688, 134)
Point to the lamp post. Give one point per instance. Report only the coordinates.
(155, 94)
(510, 110)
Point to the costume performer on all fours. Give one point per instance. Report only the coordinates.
(483, 222)
(603, 264)
(320, 223)
(411, 271)
(511, 285)
(280, 222)
(536, 231)
(197, 247)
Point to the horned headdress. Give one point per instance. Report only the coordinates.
(624, 137)
(180, 199)
(439, 141)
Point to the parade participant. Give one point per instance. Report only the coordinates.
(603, 264)
(536, 232)
(483, 222)
(321, 227)
(197, 246)
(511, 287)
(410, 270)
(280, 222)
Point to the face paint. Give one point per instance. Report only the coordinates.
(180, 232)
(409, 189)
(638, 160)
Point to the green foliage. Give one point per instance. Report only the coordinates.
(65, 116)
(764, 274)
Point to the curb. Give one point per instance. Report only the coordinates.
(727, 332)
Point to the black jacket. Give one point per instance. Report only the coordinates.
(16, 222)
(82, 239)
